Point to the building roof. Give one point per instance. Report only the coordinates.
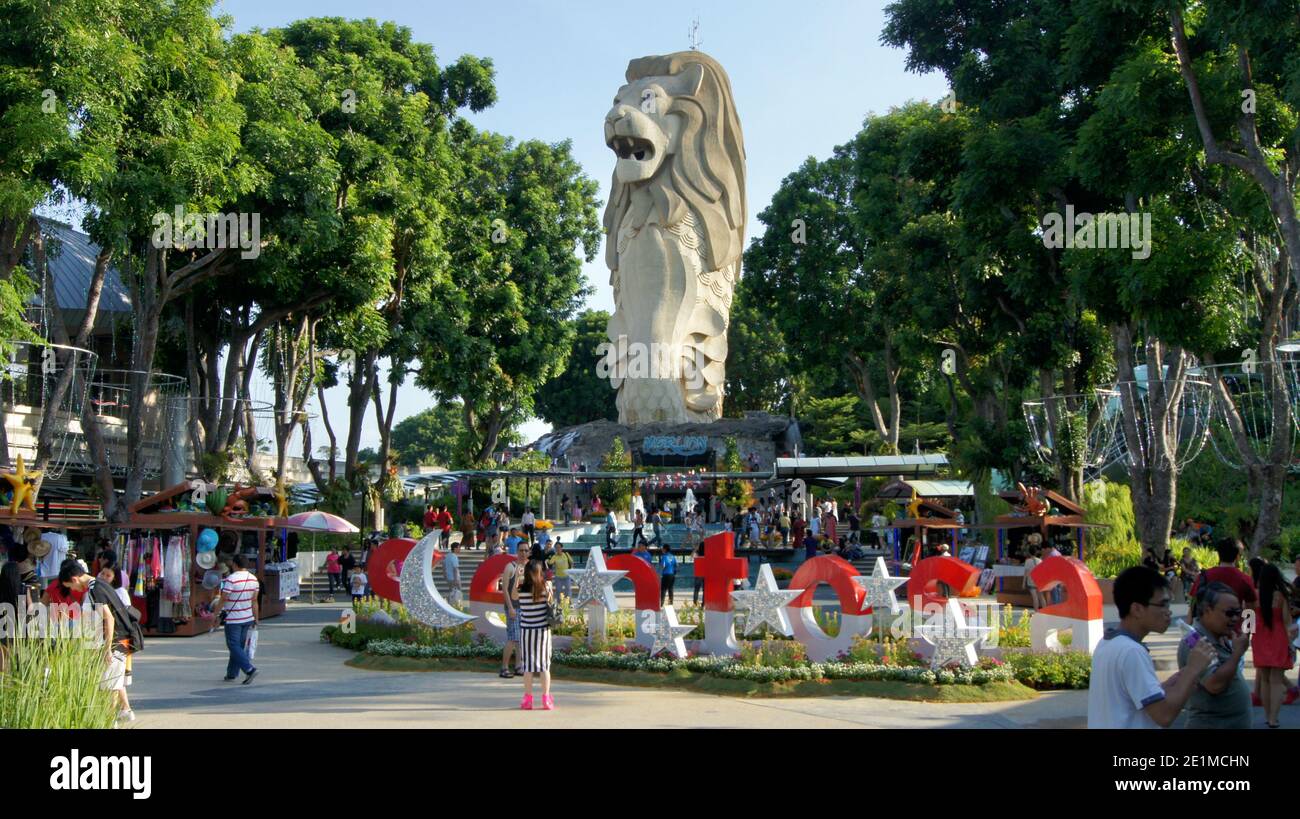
(861, 466)
(71, 256)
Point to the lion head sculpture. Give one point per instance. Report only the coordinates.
(675, 228)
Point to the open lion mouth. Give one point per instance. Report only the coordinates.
(632, 148)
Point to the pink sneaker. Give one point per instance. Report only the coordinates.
(548, 704)
(527, 704)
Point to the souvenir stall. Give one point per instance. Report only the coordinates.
(23, 509)
(177, 542)
(930, 523)
(1040, 517)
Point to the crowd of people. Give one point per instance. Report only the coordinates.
(67, 591)
(1231, 612)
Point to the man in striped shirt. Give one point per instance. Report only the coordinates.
(238, 595)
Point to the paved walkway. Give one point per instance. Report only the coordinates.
(303, 683)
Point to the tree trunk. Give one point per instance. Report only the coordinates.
(489, 432)
(114, 511)
(65, 358)
(1278, 187)
(1151, 433)
(16, 233)
(861, 372)
(360, 385)
(334, 444)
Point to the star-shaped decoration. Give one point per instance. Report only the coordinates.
(880, 589)
(596, 583)
(25, 486)
(952, 638)
(914, 507)
(668, 633)
(765, 603)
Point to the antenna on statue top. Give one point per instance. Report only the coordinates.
(695, 35)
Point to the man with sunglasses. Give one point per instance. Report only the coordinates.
(1124, 691)
(1222, 697)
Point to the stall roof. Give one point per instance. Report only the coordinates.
(861, 466)
(928, 489)
(824, 483)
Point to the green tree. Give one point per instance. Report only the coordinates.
(504, 330)
(736, 493)
(615, 493)
(389, 108)
(1060, 125)
(810, 273)
(578, 394)
(831, 426)
(760, 374)
(436, 436)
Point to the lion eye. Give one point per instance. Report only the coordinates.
(648, 101)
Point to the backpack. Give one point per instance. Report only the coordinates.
(124, 614)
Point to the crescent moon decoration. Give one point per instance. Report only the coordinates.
(421, 597)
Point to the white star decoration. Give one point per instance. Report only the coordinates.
(880, 588)
(952, 638)
(765, 604)
(668, 633)
(596, 583)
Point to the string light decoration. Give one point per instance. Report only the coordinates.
(1246, 412)
(31, 378)
(115, 394)
(1078, 430)
(1288, 355)
(1182, 433)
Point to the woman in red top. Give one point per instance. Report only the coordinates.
(1271, 645)
(56, 595)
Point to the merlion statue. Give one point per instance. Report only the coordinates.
(675, 228)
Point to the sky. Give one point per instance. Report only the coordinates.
(804, 75)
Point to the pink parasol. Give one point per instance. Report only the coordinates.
(317, 521)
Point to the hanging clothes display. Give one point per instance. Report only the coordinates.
(173, 570)
(185, 613)
(154, 546)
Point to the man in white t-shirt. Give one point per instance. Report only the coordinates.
(1124, 691)
(529, 524)
(48, 566)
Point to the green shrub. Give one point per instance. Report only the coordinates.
(1115, 548)
(1013, 631)
(616, 493)
(54, 683)
(828, 620)
(1046, 672)
(774, 654)
(1288, 542)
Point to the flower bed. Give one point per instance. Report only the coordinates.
(717, 666)
(765, 661)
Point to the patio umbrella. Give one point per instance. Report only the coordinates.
(317, 521)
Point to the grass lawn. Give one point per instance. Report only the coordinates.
(706, 684)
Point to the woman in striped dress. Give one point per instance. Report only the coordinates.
(535, 596)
